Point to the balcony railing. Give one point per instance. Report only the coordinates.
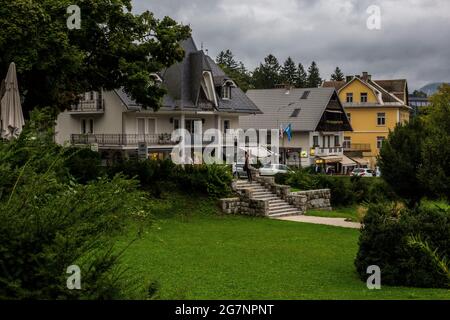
(364, 147)
(89, 106)
(331, 151)
(122, 139)
(135, 139)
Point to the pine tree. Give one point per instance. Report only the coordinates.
(267, 75)
(314, 79)
(226, 59)
(301, 79)
(234, 69)
(288, 72)
(338, 75)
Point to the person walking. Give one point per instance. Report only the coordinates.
(247, 167)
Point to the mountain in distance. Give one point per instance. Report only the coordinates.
(431, 88)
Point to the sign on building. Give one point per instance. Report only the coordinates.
(142, 151)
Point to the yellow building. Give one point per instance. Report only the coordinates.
(374, 107)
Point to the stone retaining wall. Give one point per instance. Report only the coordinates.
(246, 207)
(316, 199)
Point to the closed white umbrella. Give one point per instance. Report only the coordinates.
(11, 108)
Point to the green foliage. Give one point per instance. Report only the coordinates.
(385, 241)
(434, 172)
(150, 173)
(235, 70)
(400, 160)
(111, 49)
(302, 77)
(50, 222)
(414, 160)
(345, 191)
(288, 72)
(213, 180)
(338, 75)
(156, 176)
(267, 75)
(83, 164)
(314, 79)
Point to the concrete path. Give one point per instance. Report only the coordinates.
(337, 222)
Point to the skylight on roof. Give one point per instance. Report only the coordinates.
(305, 94)
(295, 113)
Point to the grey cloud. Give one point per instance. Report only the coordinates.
(413, 42)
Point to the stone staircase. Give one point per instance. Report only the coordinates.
(256, 191)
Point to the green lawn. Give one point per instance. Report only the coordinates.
(196, 253)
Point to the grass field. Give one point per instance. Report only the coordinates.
(196, 253)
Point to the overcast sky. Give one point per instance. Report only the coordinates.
(413, 43)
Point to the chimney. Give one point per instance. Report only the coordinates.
(366, 76)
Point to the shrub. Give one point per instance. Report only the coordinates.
(50, 221)
(83, 164)
(213, 180)
(385, 241)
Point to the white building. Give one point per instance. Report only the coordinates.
(317, 119)
(197, 90)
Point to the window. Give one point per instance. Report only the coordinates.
(315, 141)
(349, 116)
(151, 126)
(176, 124)
(295, 113)
(87, 126)
(380, 142)
(349, 97)
(363, 97)
(381, 119)
(337, 142)
(141, 125)
(226, 92)
(226, 125)
(347, 142)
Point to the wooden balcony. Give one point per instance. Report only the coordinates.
(362, 147)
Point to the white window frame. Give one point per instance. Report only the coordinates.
(380, 141)
(349, 95)
(381, 117)
(87, 126)
(146, 126)
(226, 92)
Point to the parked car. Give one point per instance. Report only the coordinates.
(273, 169)
(363, 172)
(238, 170)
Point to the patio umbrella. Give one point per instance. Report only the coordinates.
(11, 110)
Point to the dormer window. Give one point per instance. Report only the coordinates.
(226, 92)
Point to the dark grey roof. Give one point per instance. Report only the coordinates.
(183, 84)
(277, 107)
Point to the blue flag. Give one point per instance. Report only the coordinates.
(288, 131)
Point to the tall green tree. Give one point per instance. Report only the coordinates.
(234, 69)
(400, 159)
(434, 172)
(113, 48)
(301, 80)
(314, 79)
(288, 72)
(338, 75)
(267, 75)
